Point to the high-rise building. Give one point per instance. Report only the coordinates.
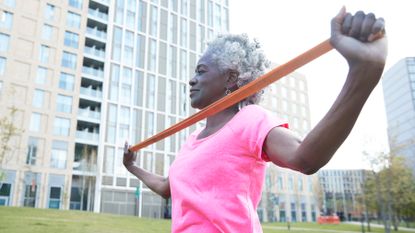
(399, 94)
(85, 76)
(342, 191)
(289, 195)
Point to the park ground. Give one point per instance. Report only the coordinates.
(25, 220)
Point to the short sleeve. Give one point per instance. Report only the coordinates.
(253, 125)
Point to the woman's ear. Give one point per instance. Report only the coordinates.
(232, 78)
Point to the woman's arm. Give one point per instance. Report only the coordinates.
(156, 183)
(360, 40)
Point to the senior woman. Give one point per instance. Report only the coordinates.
(216, 180)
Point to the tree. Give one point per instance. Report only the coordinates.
(389, 190)
(8, 130)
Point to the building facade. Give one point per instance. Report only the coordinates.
(85, 76)
(289, 195)
(342, 192)
(399, 94)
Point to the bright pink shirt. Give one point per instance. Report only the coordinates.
(216, 182)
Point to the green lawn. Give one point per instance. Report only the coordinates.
(24, 220)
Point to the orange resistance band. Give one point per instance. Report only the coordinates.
(240, 94)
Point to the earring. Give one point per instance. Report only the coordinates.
(227, 92)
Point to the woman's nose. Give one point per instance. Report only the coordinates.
(192, 81)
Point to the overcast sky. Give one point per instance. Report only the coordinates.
(287, 28)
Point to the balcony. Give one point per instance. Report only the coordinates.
(98, 14)
(93, 72)
(102, 2)
(86, 112)
(95, 52)
(96, 33)
(86, 135)
(88, 91)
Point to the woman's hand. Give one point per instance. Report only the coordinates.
(360, 38)
(129, 157)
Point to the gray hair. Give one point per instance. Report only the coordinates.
(238, 53)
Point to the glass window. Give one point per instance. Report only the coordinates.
(152, 55)
(172, 62)
(126, 84)
(218, 22)
(115, 79)
(119, 12)
(71, 39)
(32, 150)
(138, 88)
(128, 47)
(151, 91)
(44, 54)
(172, 35)
(64, 103)
(10, 3)
(75, 3)
(210, 13)
(30, 195)
(140, 51)
(142, 16)
(108, 167)
(183, 32)
(4, 42)
(38, 98)
(41, 75)
(55, 197)
(116, 47)
(201, 11)
(112, 122)
(173, 4)
(131, 18)
(59, 154)
(49, 13)
(69, 60)
(73, 20)
(35, 122)
(61, 126)
(183, 7)
(6, 20)
(153, 21)
(2, 65)
(66, 81)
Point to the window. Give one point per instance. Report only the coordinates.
(142, 16)
(73, 20)
(152, 55)
(4, 42)
(41, 75)
(6, 20)
(38, 98)
(71, 39)
(69, 60)
(151, 91)
(131, 17)
(61, 126)
(108, 167)
(2, 65)
(32, 150)
(55, 197)
(172, 35)
(5, 190)
(10, 3)
(140, 51)
(126, 84)
(64, 103)
(116, 47)
(47, 32)
(119, 12)
(44, 54)
(59, 154)
(49, 13)
(210, 13)
(115, 79)
(66, 81)
(30, 195)
(128, 47)
(183, 7)
(35, 122)
(153, 21)
(75, 3)
(183, 32)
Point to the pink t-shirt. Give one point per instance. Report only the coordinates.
(216, 182)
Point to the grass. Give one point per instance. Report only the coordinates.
(23, 220)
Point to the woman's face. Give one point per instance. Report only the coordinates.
(208, 85)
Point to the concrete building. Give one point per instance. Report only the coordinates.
(87, 75)
(399, 94)
(342, 192)
(289, 195)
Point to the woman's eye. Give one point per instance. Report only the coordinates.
(200, 72)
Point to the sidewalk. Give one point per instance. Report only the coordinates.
(380, 226)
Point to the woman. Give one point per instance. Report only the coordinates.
(216, 180)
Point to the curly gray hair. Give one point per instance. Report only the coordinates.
(238, 53)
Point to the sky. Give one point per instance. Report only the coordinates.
(287, 28)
